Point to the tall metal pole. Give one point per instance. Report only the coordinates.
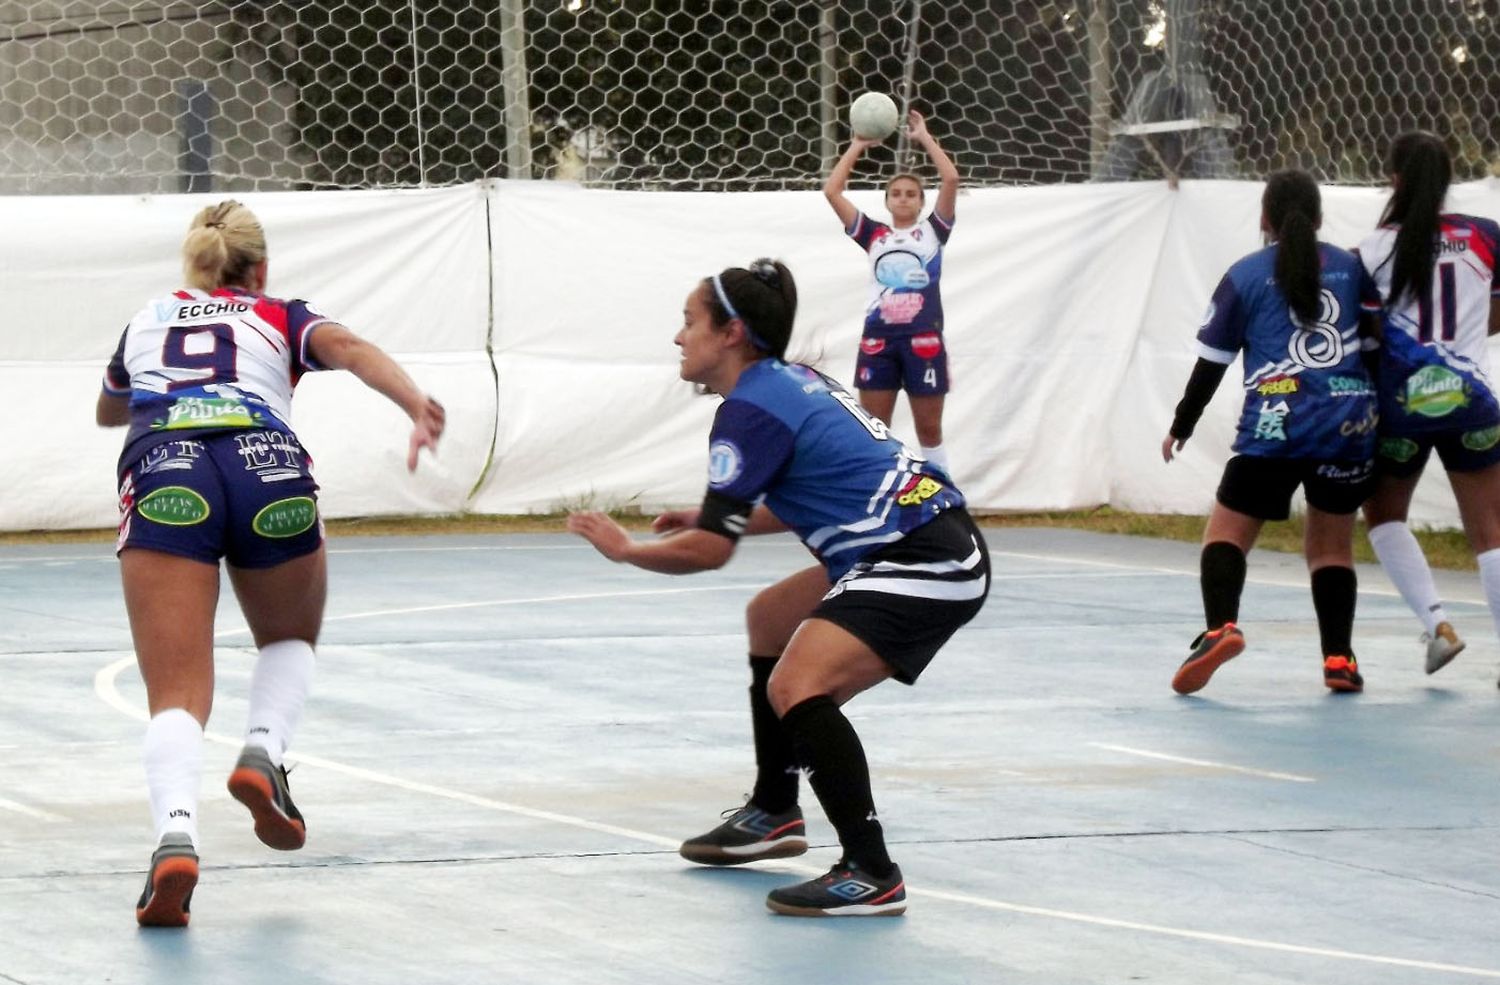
(1100, 56)
(903, 144)
(513, 85)
(828, 46)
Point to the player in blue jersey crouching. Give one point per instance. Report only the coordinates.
(1304, 313)
(791, 449)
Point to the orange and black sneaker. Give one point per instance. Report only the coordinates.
(262, 787)
(169, 883)
(1342, 674)
(1211, 650)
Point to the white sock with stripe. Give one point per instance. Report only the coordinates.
(278, 689)
(1405, 564)
(174, 767)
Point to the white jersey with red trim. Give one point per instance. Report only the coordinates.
(198, 361)
(1455, 312)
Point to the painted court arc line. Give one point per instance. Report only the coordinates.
(1208, 763)
(107, 691)
(31, 812)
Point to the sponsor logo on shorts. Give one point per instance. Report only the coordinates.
(1277, 386)
(725, 463)
(1482, 440)
(926, 346)
(871, 347)
(286, 517)
(1349, 386)
(1399, 449)
(174, 506)
(919, 489)
(1435, 391)
(1345, 473)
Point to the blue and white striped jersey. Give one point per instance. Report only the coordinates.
(794, 439)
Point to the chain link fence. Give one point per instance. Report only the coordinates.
(99, 96)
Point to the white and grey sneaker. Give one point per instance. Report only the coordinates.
(1443, 645)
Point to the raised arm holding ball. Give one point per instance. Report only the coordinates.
(903, 347)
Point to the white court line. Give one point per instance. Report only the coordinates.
(40, 815)
(104, 687)
(449, 606)
(1293, 777)
(1186, 573)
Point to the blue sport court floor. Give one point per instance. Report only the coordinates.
(510, 735)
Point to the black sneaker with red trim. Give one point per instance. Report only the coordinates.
(1211, 650)
(846, 890)
(1341, 673)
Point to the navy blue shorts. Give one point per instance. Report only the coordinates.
(1459, 451)
(245, 496)
(918, 365)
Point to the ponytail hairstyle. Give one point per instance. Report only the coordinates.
(223, 243)
(1421, 170)
(1293, 209)
(763, 296)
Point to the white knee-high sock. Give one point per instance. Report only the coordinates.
(1489, 580)
(1406, 566)
(174, 765)
(278, 689)
(937, 455)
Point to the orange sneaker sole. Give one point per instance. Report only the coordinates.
(1349, 687)
(1193, 675)
(273, 828)
(171, 884)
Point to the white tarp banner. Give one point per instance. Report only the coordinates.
(542, 315)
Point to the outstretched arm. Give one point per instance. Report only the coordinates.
(833, 188)
(336, 347)
(947, 199)
(683, 554)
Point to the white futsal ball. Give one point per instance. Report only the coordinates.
(873, 116)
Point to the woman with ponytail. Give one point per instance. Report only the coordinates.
(212, 470)
(1438, 277)
(901, 568)
(1302, 312)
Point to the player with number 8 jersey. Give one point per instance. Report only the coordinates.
(1303, 313)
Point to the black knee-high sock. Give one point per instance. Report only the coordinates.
(1221, 570)
(1334, 591)
(776, 764)
(831, 753)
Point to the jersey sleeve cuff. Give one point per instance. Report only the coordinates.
(1222, 356)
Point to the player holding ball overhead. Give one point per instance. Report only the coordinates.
(903, 346)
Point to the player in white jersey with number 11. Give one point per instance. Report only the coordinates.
(1437, 274)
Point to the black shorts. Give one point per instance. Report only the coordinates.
(905, 600)
(1262, 487)
(1459, 451)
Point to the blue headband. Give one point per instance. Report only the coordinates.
(755, 339)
